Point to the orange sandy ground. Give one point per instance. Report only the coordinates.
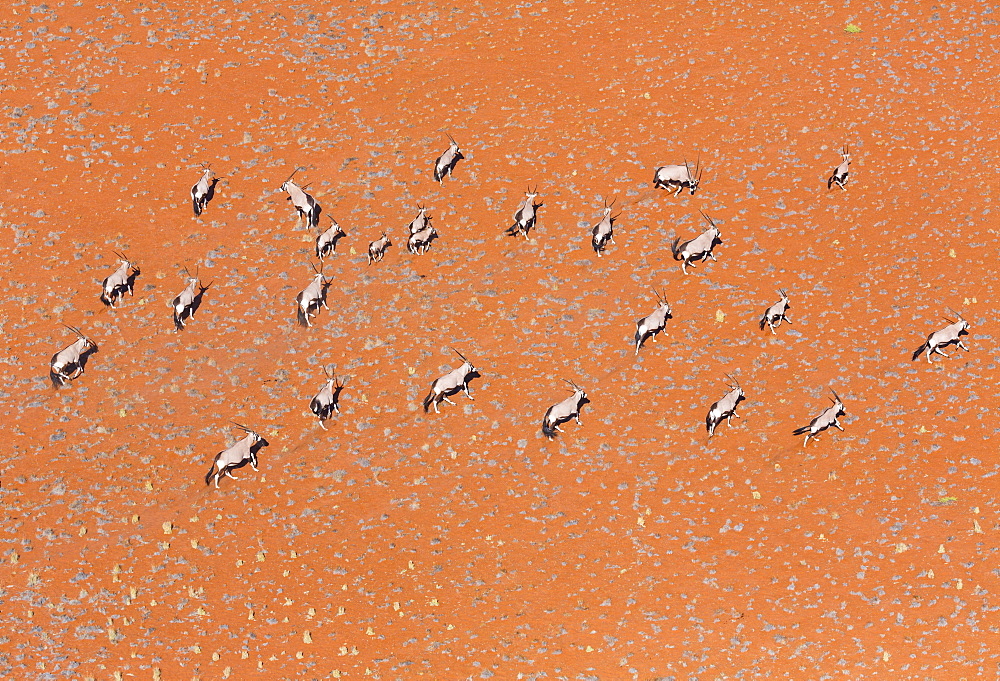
(464, 544)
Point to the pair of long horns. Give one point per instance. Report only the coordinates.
(77, 332)
(333, 376)
(293, 174)
(532, 192)
(459, 354)
(956, 313)
(318, 271)
(245, 429)
(187, 272)
(121, 256)
(697, 169)
(450, 138)
(837, 396)
(660, 298)
(574, 385)
(710, 220)
(730, 377)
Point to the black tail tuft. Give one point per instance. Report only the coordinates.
(547, 430)
(428, 400)
(56, 379)
(763, 322)
(916, 353)
(208, 476)
(675, 249)
(196, 204)
(799, 431)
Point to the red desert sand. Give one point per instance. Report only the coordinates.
(399, 543)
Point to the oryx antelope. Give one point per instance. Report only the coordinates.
(118, 282)
(950, 334)
(312, 297)
(69, 362)
(840, 173)
(777, 313)
(698, 248)
(377, 248)
(305, 205)
(237, 456)
(604, 231)
(680, 177)
(327, 400)
(828, 417)
(446, 162)
(419, 223)
(326, 242)
(203, 190)
(525, 215)
(420, 242)
(725, 408)
(452, 382)
(188, 301)
(564, 411)
(653, 323)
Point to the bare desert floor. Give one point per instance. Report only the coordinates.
(400, 544)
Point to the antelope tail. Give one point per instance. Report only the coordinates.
(547, 430)
(799, 431)
(674, 248)
(428, 400)
(208, 476)
(916, 353)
